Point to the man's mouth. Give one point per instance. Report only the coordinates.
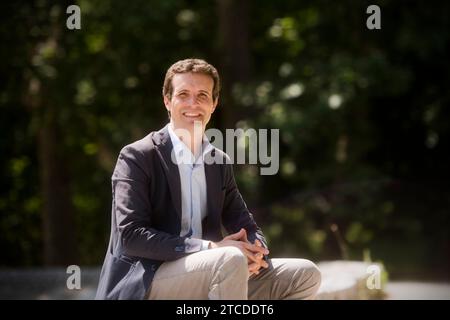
(191, 114)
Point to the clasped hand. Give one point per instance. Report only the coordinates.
(254, 252)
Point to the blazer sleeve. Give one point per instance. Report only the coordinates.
(235, 212)
(133, 212)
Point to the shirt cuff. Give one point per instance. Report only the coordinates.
(205, 245)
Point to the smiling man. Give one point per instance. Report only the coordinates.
(169, 207)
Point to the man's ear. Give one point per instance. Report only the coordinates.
(215, 104)
(167, 102)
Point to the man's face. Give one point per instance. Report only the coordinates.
(192, 100)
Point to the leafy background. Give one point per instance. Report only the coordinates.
(363, 118)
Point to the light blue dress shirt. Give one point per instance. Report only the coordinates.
(193, 186)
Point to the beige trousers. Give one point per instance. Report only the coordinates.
(222, 273)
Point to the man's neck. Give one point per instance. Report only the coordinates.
(192, 136)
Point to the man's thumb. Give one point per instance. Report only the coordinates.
(238, 235)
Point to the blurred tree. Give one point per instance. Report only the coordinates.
(37, 39)
(234, 53)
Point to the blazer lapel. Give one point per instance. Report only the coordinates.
(213, 178)
(164, 149)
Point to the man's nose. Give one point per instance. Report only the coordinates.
(192, 101)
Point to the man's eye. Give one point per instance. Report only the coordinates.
(182, 95)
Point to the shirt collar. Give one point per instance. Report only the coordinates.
(183, 153)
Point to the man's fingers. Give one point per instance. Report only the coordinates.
(256, 249)
(260, 257)
(234, 236)
(241, 234)
(244, 237)
(255, 258)
(264, 264)
(251, 257)
(243, 246)
(253, 268)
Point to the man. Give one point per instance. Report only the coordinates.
(169, 206)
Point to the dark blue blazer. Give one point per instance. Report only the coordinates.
(146, 215)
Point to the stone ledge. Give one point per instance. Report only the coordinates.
(340, 280)
(347, 280)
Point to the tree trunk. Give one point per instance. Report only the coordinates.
(58, 221)
(234, 55)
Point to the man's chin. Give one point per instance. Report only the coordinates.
(193, 122)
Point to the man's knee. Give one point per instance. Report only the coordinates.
(230, 274)
(312, 276)
(307, 280)
(233, 259)
(315, 274)
(235, 256)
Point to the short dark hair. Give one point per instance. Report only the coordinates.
(194, 66)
